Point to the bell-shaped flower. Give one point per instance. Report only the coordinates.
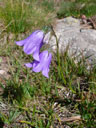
(42, 65)
(32, 44)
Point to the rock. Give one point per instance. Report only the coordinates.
(68, 33)
(2, 72)
(4, 68)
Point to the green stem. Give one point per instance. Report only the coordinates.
(58, 56)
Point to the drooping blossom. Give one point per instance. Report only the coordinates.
(42, 65)
(32, 44)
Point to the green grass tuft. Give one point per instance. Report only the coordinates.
(21, 15)
(77, 8)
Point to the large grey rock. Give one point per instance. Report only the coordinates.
(68, 33)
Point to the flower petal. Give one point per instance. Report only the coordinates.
(20, 43)
(36, 52)
(37, 68)
(36, 55)
(45, 73)
(45, 69)
(30, 50)
(28, 65)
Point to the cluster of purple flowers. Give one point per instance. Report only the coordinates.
(32, 45)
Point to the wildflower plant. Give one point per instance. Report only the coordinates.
(32, 45)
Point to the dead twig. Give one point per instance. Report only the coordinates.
(69, 119)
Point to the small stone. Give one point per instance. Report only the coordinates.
(2, 72)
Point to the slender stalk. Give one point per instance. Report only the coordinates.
(58, 55)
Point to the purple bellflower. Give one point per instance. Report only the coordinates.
(42, 65)
(32, 44)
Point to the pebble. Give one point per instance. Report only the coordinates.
(2, 72)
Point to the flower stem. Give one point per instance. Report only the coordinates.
(58, 56)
